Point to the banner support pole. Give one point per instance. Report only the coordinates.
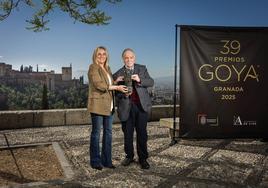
(174, 141)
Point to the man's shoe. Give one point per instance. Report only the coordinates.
(144, 164)
(111, 167)
(97, 167)
(264, 139)
(127, 161)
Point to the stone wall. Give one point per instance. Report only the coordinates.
(62, 117)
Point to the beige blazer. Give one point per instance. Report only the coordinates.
(99, 97)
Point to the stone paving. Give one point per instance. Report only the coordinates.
(198, 163)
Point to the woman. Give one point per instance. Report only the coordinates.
(101, 108)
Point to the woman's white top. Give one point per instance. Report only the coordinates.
(110, 83)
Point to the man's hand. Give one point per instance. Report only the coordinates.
(136, 78)
(119, 79)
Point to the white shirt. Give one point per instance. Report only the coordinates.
(110, 83)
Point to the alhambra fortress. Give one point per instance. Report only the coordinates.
(26, 75)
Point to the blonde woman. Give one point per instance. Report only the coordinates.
(101, 108)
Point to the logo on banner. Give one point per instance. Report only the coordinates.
(227, 69)
(238, 121)
(203, 119)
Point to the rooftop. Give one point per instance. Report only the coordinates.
(189, 163)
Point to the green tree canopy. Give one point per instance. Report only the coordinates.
(85, 11)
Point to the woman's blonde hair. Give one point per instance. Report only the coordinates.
(94, 56)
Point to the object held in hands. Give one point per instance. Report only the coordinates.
(128, 80)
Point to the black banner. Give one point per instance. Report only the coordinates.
(223, 82)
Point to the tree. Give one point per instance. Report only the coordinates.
(85, 11)
(3, 99)
(44, 98)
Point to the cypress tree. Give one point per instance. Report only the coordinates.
(44, 98)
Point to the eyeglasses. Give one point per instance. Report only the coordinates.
(101, 54)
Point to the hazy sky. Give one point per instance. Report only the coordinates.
(147, 26)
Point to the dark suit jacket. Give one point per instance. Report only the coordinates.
(123, 102)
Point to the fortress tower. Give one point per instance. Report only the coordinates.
(67, 73)
(5, 69)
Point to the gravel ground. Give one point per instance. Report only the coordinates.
(34, 164)
(190, 163)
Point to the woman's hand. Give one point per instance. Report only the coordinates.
(122, 88)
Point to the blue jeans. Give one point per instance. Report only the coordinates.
(105, 157)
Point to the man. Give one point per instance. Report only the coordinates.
(134, 107)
